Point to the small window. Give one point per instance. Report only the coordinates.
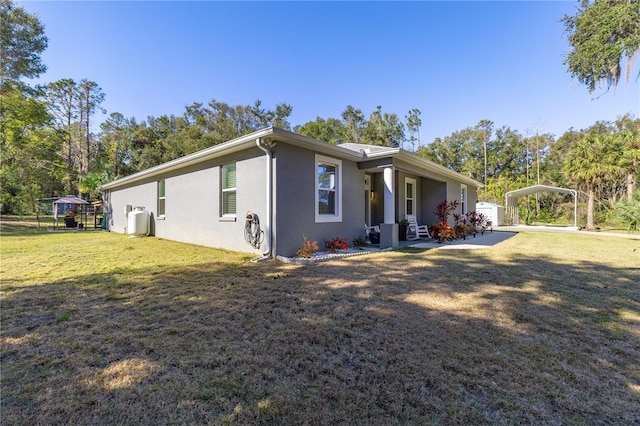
(229, 190)
(410, 196)
(161, 198)
(463, 199)
(328, 189)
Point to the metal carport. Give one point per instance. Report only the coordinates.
(511, 200)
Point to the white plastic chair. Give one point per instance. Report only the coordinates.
(372, 229)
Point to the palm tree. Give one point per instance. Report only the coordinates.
(630, 153)
(593, 160)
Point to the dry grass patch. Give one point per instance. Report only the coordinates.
(541, 329)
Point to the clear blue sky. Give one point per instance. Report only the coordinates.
(457, 62)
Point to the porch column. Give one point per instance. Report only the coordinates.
(389, 199)
(389, 229)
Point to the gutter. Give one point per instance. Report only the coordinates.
(266, 148)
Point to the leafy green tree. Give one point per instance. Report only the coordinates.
(629, 134)
(164, 138)
(464, 151)
(447, 151)
(72, 105)
(485, 127)
(277, 118)
(354, 124)
(281, 116)
(116, 146)
(330, 130)
(90, 98)
(498, 186)
(591, 161)
(413, 127)
(384, 129)
(26, 163)
(603, 34)
(628, 212)
(22, 40)
(537, 148)
(28, 160)
(553, 162)
(61, 97)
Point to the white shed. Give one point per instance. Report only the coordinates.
(494, 212)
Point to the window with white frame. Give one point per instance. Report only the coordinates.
(228, 189)
(463, 199)
(161, 198)
(410, 196)
(328, 184)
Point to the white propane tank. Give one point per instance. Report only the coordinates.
(138, 222)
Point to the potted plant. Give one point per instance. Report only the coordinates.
(402, 229)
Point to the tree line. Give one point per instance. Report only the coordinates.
(48, 146)
(602, 162)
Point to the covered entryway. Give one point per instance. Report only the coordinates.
(511, 200)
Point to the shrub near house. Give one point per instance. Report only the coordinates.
(469, 224)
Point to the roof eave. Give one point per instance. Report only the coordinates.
(437, 168)
(225, 148)
(314, 144)
(232, 146)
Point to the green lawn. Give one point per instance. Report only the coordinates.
(98, 328)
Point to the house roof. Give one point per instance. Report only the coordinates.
(349, 151)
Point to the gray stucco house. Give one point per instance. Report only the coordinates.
(293, 184)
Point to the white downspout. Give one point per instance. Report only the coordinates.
(267, 252)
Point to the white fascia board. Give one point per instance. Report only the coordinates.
(392, 152)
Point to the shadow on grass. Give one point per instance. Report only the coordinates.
(404, 337)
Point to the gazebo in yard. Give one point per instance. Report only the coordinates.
(511, 200)
(71, 201)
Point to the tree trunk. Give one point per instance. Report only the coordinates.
(631, 185)
(69, 161)
(591, 193)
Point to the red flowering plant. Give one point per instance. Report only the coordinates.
(336, 244)
(308, 248)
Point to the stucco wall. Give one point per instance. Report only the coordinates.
(142, 195)
(193, 199)
(432, 192)
(401, 191)
(295, 200)
(192, 202)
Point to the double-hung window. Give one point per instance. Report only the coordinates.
(229, 190)
(328, 184)
(463, 199)
(161, 198)
(410, 196)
